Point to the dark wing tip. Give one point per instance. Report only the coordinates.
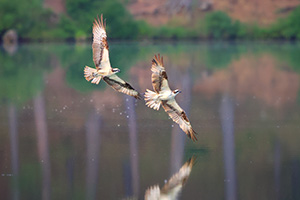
(154, 62)
(192, 134)
(158, 60)
(192, 160)
(138, 96)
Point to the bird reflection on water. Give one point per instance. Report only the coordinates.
(173, 187)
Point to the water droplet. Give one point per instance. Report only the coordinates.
(127, 116)
(121, 113)
(126, 99)
(172, 125)
(118, 125)
(91, 100)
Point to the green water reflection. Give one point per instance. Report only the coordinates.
(64, 138)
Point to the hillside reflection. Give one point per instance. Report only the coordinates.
(64, 138)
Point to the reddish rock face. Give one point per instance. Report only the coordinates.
(58, 6)
(158, 12)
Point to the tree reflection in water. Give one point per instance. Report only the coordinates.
(42, 141)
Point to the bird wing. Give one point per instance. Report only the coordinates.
(178, 115)
(159, 75)
(100, 45)
(152, 193)
(175, 183)
(121, 86)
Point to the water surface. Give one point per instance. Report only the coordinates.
(64, 138)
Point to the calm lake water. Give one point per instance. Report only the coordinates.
(63, 138)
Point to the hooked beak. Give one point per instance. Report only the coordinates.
(116, 70)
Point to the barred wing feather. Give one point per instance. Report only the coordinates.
(100, 45)
(159, 75)
(121, 86)
(178, 115)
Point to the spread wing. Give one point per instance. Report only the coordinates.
(159, 75)
(178, 115)
(175, 183)
(152, 193)
(121, 86)
(100, 45)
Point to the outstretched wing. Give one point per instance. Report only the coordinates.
(121, 86)
(100, 45)
(159, 75)
(175, 183)
(152, 193)
(178, 115)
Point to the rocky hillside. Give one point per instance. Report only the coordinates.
(158, 12)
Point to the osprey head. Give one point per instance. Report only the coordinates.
(175, 92)
(115, 70)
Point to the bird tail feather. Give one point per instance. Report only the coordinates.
(91, 74)
(152, 100)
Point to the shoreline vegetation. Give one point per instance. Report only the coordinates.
(33, 23)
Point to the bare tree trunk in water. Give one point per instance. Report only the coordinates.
(93, 139)
(227, 123)
(133, 143)
(277, 167)
(178, 136)
(14, 146)
(43, 148)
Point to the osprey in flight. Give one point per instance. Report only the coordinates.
(174, 185)
(164, 96)
(102, 63)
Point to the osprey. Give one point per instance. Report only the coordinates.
(164, 96)
(102, 63)
(174, 185)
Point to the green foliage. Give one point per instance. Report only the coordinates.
(120, 23)
(27, 17)
(219, 25)
(287, 28)
(167, 32)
